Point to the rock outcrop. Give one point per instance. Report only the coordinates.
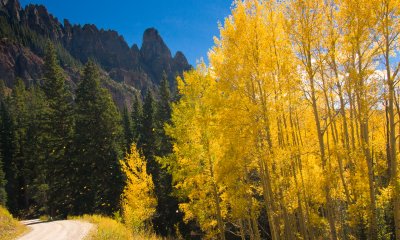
(155, 54)
(180, 63)
(13, 8)
(38, 19)
(107, 47)
(17, 61)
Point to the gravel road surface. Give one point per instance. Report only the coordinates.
(56, 230)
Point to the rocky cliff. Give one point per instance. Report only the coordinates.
(17, 61)
(24, 33)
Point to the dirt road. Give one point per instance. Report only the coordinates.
(56, 230)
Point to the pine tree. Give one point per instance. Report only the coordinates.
(149, 143)
(136, 118)
(147, 140)
(96, 147)
(3, 182)
(19, 99)
(59, 124)
(24, 131)
(163, 117)
(127, 125)
(2, 90)
(6, 151)
(168, 215)
(164, 109)
(36, 163)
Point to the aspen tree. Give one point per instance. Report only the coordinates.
(293, 98)
(197, 154)
(357, 23)
(304, 24)
(388, 14)
(244, 46)
(138, 199)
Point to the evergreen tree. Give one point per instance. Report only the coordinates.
(59, 124)
(36, 163)
(164, 110)
(20, 121)
(168, 215)
(2, 90)
(136, 117)
(3, 181)
(3, 193)
(6, 132)
(97, 141)
(164, 116)
(26, 168)
(148, 143)
(147, 140)
(154, 143)
(127, 125)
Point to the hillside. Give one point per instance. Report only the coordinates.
(24, 33)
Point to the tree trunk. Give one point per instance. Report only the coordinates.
(320, 135)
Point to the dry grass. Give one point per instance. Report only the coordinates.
(9, 227)
(110, 229)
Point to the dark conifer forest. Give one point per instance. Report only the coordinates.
(60, 148)
(67, 117)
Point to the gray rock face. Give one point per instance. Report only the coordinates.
(106, 47)
(40, 21)
(180, 63)
(13, 8)
(17, 61)
(155, 54)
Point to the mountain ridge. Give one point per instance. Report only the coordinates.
(27, 30)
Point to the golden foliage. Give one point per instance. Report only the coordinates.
(290, 120)
(138, 200)
(110, 229)
(10, 228)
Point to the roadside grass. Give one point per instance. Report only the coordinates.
(44, 218)
(109, 229)
(10, 228)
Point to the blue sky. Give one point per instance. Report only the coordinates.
(185, 25)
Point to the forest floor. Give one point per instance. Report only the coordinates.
(56, 230)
